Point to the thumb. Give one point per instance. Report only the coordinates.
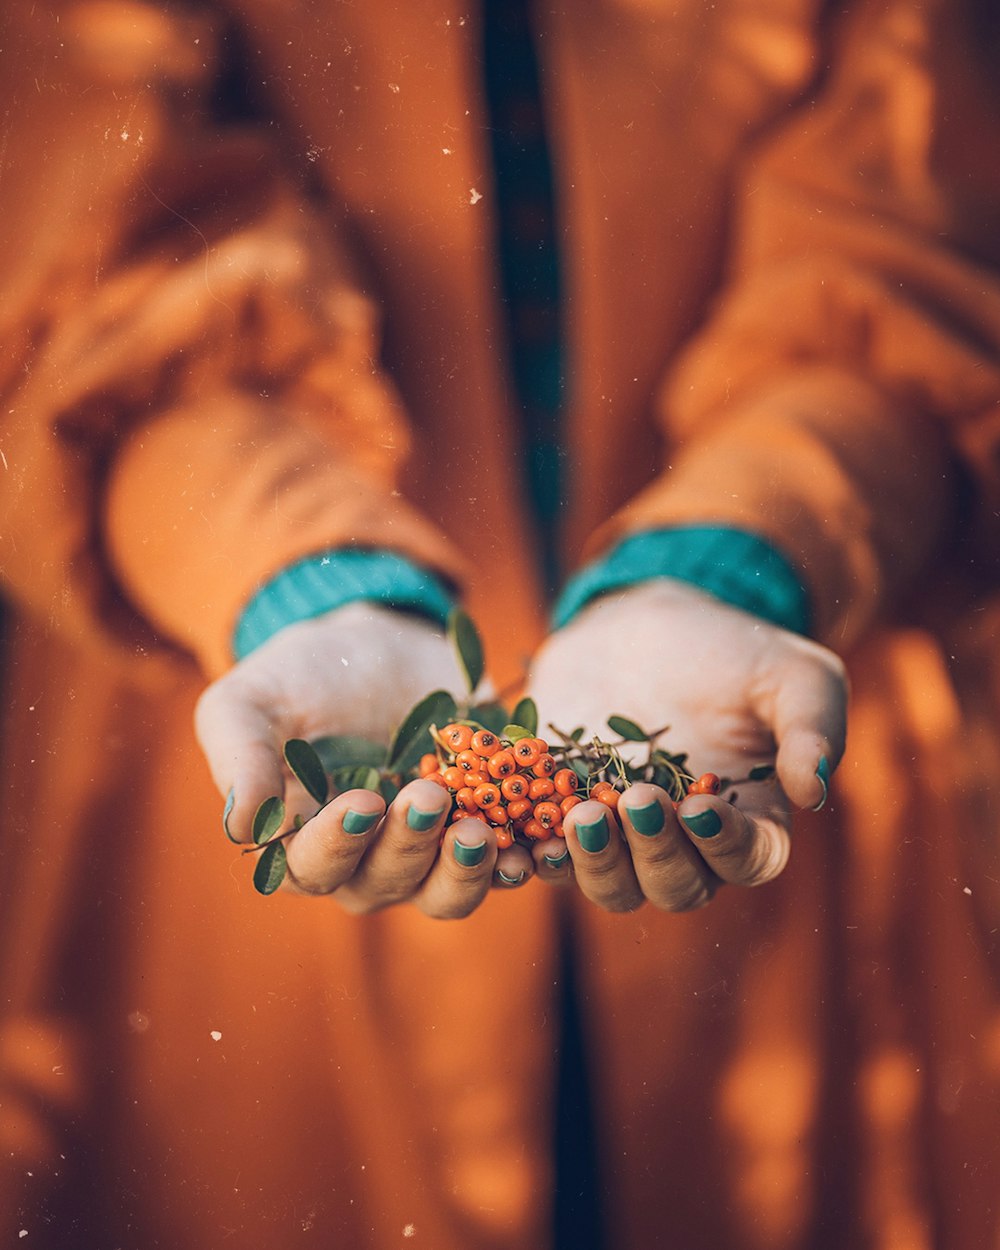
(243, 750)
(805, 708)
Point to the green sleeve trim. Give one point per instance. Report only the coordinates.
(735, 566)
(332, 579)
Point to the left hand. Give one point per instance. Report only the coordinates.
(736, 691)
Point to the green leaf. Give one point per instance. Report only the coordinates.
(578, 733)
(581, 769)
(515, 733)
(760, 772)
(412, 739)
(627, 729)
(308, 767)
(357, 777)
(272, 864)
(526, 714)
(465, 639)
(336, 751)
(492, 716)
(368, 779)
(268, 819)
(388, 790)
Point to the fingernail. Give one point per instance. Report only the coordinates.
(646, 820)
(704, 824)
(470, 856)
(823, 774)
(421, 821)
(593, 837)
(230, 801)
(510, 880)
(359, 822)
(558, 861)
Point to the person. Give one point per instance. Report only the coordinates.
(262, 427)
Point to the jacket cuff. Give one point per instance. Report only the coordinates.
(332, 579)
(734, 565)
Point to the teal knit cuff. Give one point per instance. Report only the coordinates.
(323, 582)
(733, 565)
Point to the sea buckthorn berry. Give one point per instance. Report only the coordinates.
(517, 808)
(469, 760)
(541, 788)
(709, 783)
(496, 815)
(485, 743)
(502, 764)
(542, 745)
(428, 764)
(466, 800)
(605, 794)
(547, 814)
(487, 794)
(545, 766)
(535, 829)
(454, 778)
(504, 839)
(569, 802)
(457, 737)
(514, 787)
(565, 781)
(526, 752)
(475, 779)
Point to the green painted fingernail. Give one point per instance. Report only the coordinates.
(823, 774)
(421, 821)
(510, 880)
(593, 837)
(704, 824)
(359, 822)
(470, 856)
(226, 811)
(558, 861)
(646, 820)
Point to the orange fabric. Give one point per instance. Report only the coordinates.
(784, 312)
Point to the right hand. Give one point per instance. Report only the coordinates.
(356, 670)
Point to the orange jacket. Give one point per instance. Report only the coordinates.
(783, 313)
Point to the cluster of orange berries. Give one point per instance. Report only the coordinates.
(519, 789)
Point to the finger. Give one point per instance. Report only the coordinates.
(325, 852)
(514, 867)
(553, 862)
(403, 854)
(740, 848)
(462, 873)
(671, 873)
(602, 864)
(241, 747)
(807, 714)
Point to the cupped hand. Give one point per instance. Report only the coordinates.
(735, 692)
(357, 670)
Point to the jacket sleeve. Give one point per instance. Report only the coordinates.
(842, 401)
(186, 348)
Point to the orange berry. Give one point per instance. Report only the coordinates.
(487, 794)
(485, 743)
(502, 764)
(542, 745)
(476, 778)
(469, 760)
(514, 787)
(437, 778)
(497, 815)
(547, 814)
(545, 766)
(454, 778)
(559, 831)
(709, 783)
(605, 794)
(517, 808)
(504, 839)
(541, 788)
(428, 764)
(569, 802)
(526, 752)
(466, 800)
(565, 781)
(535, 829)
(457, 737)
